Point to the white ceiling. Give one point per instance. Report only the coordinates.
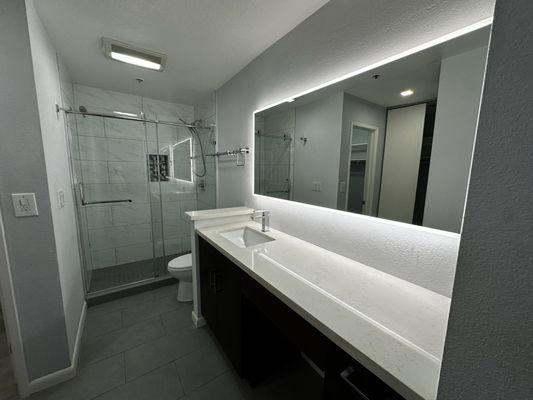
(207, 41)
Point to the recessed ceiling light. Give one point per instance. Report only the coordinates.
(406, 93)
(129, 54)
(290, 100)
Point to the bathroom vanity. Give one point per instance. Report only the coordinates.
(268, 297)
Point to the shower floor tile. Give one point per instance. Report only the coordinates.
(118, 275)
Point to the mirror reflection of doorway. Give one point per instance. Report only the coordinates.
(361, 169)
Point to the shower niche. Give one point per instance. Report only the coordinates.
(158, 166)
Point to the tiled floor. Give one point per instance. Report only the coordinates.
(144, 347)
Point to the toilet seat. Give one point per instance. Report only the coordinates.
(181, 263)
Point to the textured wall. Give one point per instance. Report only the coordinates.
(48, 88)
(489, 345)
(30, 241)
(339, 38)
(460, 84)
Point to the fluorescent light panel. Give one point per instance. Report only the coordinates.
(135, 61)
(130, 54)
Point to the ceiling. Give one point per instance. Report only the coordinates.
(207, 41)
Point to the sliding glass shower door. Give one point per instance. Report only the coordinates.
(122, 171)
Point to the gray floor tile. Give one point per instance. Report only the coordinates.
(161, 384)
(123, 303)
(97, 324)
(148, 309)
(177, 319)
(166, 291)
(224, 387)
(149, 356)
(90, 381)
(121, 340)
(200, 367)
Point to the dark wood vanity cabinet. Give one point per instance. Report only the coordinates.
(220, 300)
(259, 333)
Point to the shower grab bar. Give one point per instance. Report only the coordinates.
(88, 203)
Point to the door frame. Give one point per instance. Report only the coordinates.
(370, 170)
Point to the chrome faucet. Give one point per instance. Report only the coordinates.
(265, 219)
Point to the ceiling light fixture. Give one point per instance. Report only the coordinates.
(129, 54)
(290, 100)
(406, 93)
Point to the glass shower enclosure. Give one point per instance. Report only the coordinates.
(133, 182)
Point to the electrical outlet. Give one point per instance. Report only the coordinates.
(317, 186)
(24, 204)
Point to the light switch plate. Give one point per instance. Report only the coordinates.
(24, 204)
(342, 186)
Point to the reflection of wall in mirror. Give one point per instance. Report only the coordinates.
(316, 166)
(460, 84)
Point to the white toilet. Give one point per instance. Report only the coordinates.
(181, 269)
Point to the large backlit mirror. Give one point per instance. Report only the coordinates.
(394, 142)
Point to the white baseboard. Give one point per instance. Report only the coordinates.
(197, 321)
(67, 373)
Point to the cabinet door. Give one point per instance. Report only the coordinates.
(207, 279)
(228, 309)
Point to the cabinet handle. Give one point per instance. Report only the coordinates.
(345, 375)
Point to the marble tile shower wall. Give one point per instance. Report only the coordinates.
(112, 157)
(206, 192)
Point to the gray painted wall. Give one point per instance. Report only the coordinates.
(30, 241)
(460, 84)
(489, 344)
(340, 38)
(320, 123)
(58, 171)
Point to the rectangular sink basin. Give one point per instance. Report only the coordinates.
(246, 237)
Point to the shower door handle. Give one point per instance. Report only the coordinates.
(88, 203)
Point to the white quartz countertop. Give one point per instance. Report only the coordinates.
(400, 326)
